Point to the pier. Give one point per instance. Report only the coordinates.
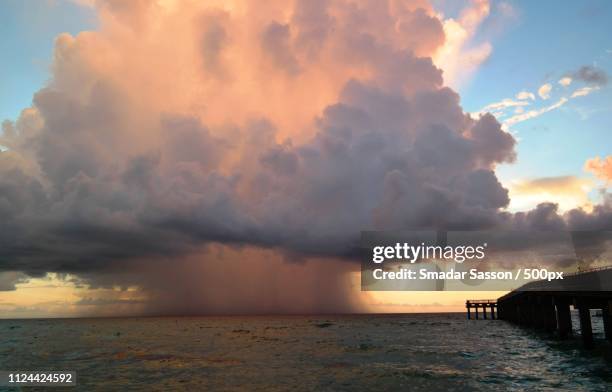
(483, 304)
(545, 305)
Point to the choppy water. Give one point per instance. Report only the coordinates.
(392, 352)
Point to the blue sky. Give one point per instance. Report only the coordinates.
(541, 44)
(538, 44)
(27, 32)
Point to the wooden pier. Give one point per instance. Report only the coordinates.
(546, 305)
(483, 304)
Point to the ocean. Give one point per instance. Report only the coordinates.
(415, 352)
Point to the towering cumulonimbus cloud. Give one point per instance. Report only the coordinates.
(281, 125)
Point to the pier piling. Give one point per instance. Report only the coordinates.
(546, 305)
(563, 318)
(483, 304)
(606, 314)
(586, 329)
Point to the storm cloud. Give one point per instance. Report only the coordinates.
(282, 126)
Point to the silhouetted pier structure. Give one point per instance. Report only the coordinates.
(483, 304)
(545, 305)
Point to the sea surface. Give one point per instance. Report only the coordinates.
(411, 352)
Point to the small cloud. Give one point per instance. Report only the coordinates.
(601, 168)
(544, 91)
(516, 111)
(584, 91)
(503, 104)
(552, 184)
(566, 81)
(535, 113)
(567, 191)
(498, 109)
(591, 75)
(525, 95)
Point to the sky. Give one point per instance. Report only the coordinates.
(28, 30)
(540, 45)
(535, 44)
(141, 170)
